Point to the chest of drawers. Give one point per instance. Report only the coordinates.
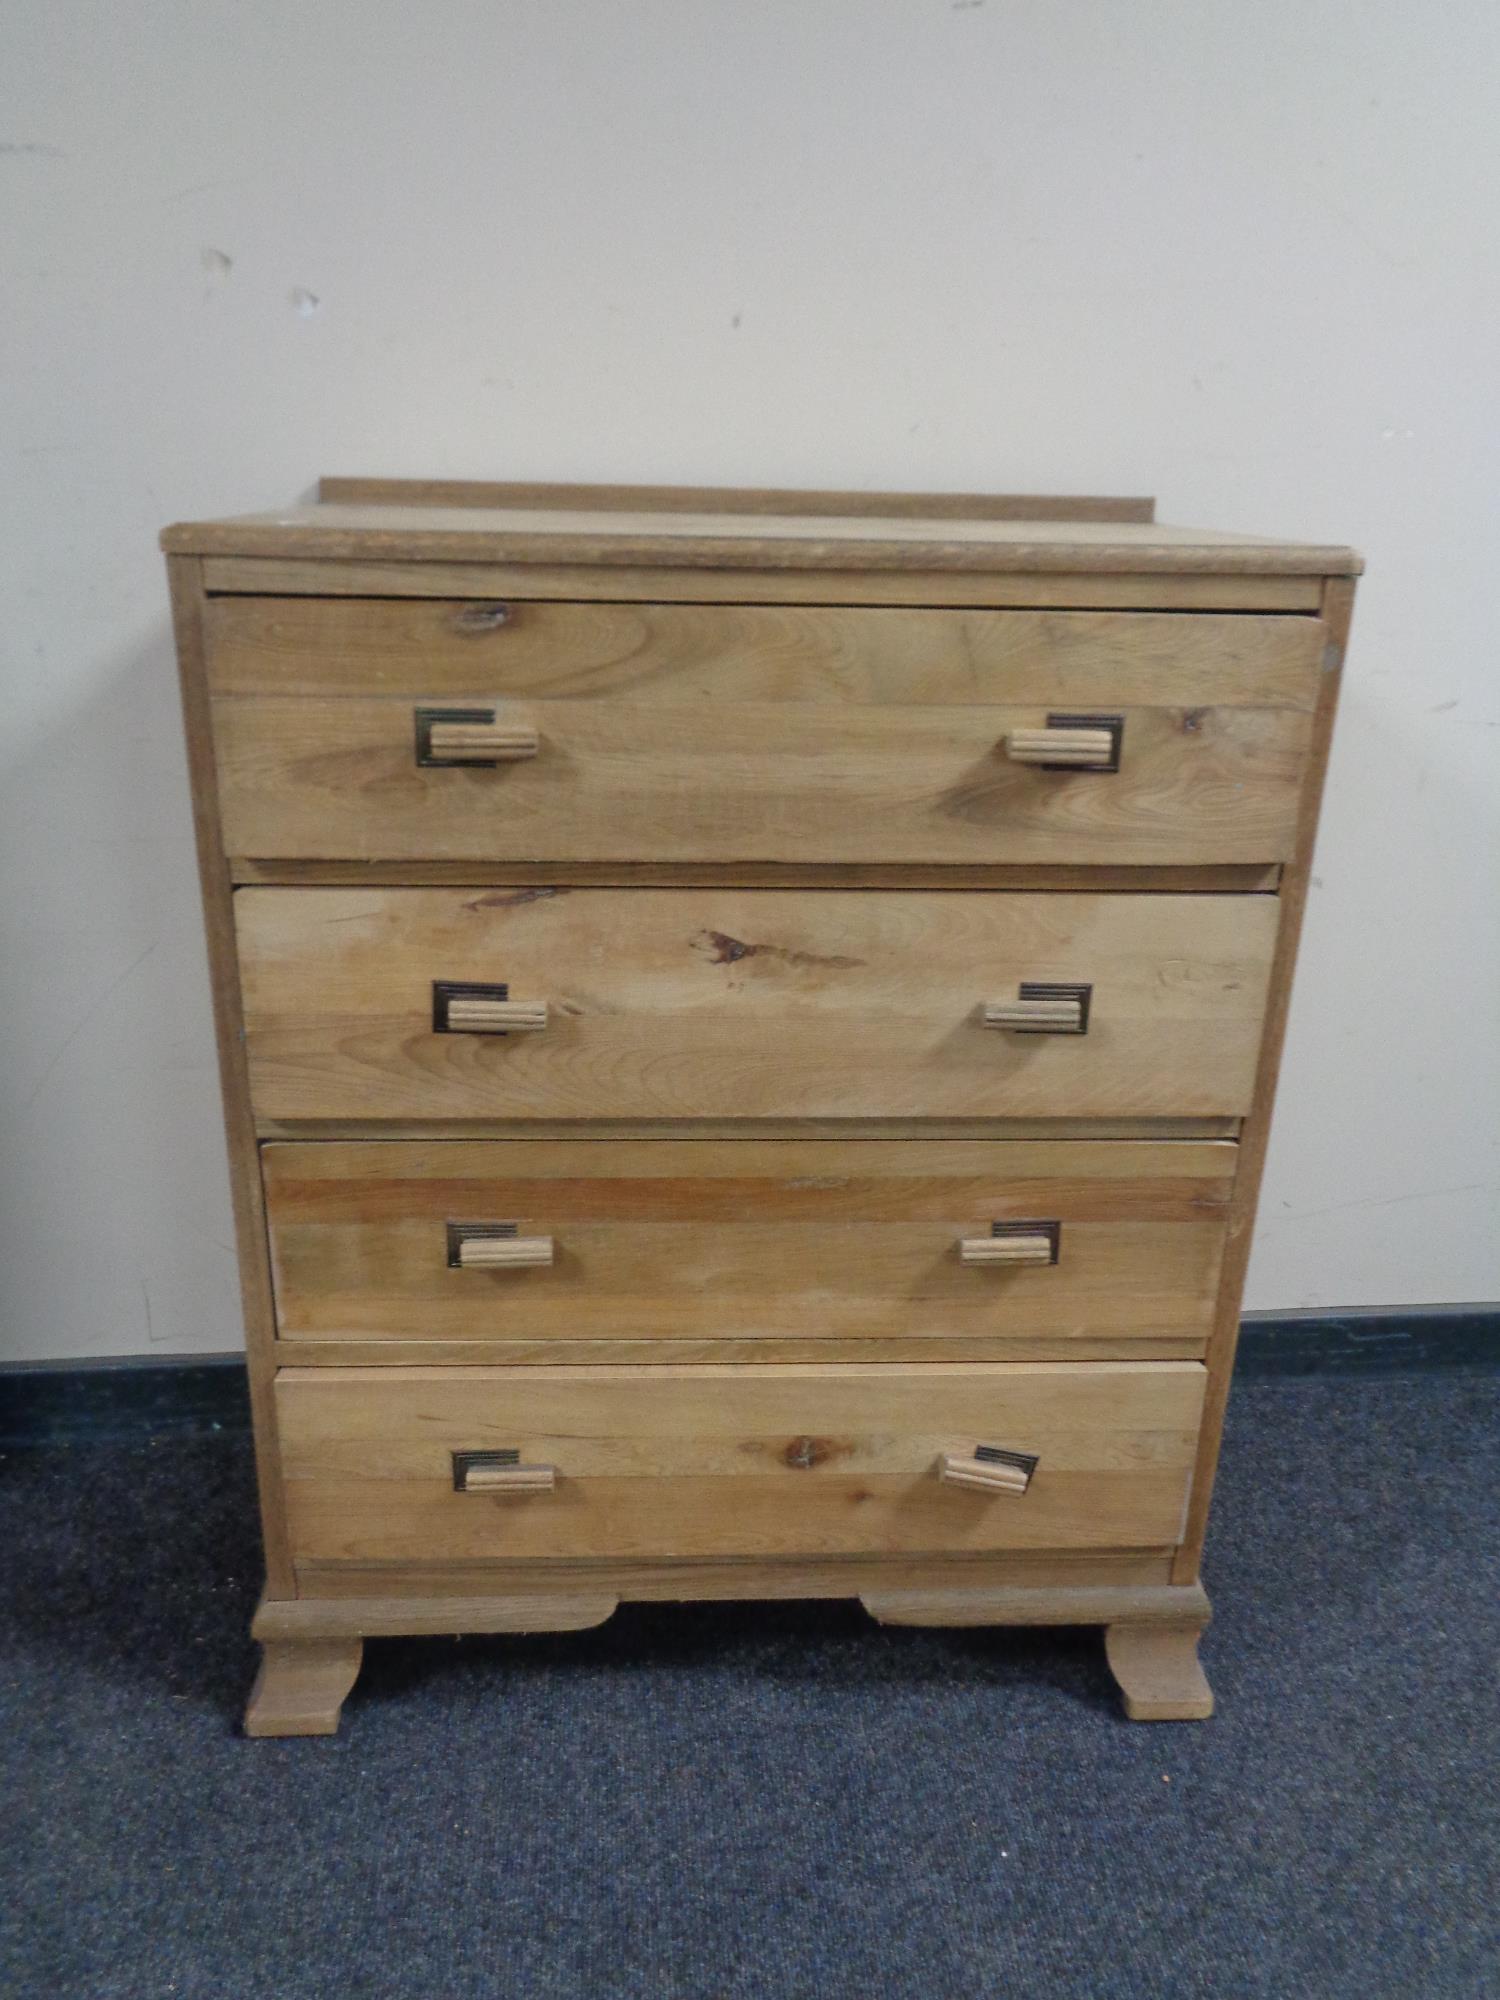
(748, 1024)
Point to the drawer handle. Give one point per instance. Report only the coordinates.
(1013, 1243)
(500, 1472)
(495, 1246)
(988, 1469)
(460, 1007)
(1070, 743)
(475, 736)
(1042, 1007)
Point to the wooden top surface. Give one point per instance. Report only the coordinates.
(396, 520)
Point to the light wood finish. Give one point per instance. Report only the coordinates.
(859, 784)
(1041, 1577)
(686, 734)
(989, 1590)
(1085, 749)
(506, 1253)
(759, 1003)
(501, 740)
(1059, 1016)
(466, 1015)
(1005, 1250)
(509, 1479)
(770, 805)
(733, 1348)
(302, 1685)
(748, 1461)
(710, 540)
(956, 1468)
(735, 500)
(662, 1242)
(1158, 1671)
(1292, 904)
(185, 585)
(1063, 1602)
(805, 657)
(509, 1610)
(585, 583)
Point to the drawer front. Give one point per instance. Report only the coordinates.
(707, 1461)
(673, 733)
(1104, 1248)
(712, 1003)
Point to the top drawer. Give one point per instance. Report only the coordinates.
(750, 733)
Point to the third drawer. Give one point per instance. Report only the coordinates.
(524, 1250)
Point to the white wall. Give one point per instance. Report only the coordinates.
(1244, 257)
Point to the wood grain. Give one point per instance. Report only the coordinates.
(426, 1351)
(765, 782)
(1062, 1602)
(660, 1242)
(810, 694)
(965, 1468)
(751, 1461)
(735, 500)
(751, 1003)
(302, 1685)
(509, 1479)
(994, 1590)
(185, 583)
(712, 540)
(530, 1609)
(392, 1591)
(1158, 1672)
(686, 733)
(686, 654)
(1161, 591)
(502, 1253)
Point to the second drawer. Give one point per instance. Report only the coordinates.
(750, 1003)
(953, 1249)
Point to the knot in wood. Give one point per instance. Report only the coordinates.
(805, 1451)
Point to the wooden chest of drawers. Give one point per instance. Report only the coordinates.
(748, 1024)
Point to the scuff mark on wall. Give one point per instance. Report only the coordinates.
(77, 1029)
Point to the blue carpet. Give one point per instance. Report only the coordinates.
(767, 1803)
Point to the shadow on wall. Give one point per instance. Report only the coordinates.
(115, 1229)
(1375, 1138)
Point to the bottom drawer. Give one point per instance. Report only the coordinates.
(721, 1461)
